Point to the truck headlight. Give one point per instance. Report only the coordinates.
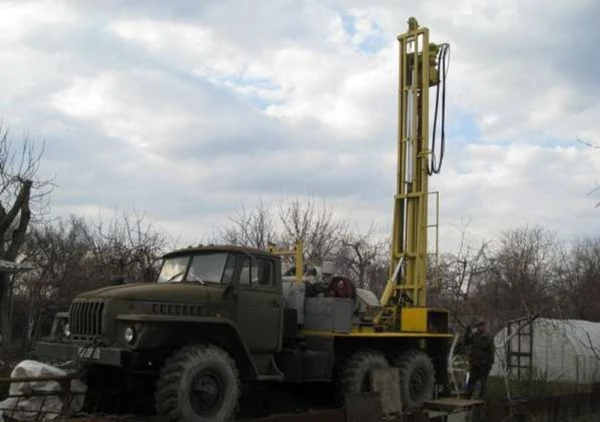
(67, 330)
(129, 335)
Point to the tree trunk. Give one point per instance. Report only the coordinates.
(6, 310)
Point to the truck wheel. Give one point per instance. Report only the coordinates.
(354, 376)
(198, 383)
(417, 378)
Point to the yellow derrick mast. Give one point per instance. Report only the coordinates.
(422, 65)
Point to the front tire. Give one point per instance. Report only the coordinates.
(198, 383)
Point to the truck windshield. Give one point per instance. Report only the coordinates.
(204, 268)
(173, 269)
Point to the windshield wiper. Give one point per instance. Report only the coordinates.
(195, 278)
(175, 276)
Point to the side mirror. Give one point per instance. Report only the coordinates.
(117, 280)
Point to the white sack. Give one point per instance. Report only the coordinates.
(28, 408)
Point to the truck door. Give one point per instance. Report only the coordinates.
(259, 305)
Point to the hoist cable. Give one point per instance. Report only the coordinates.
(443, 60)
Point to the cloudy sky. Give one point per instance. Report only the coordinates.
(187, 109)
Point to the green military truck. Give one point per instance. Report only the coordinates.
(218, 317)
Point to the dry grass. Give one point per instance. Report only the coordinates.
(531, 389)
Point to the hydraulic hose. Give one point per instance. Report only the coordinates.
(443, 60)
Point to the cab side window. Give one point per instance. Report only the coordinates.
(245, 272)
(264, 272)
(256, 272)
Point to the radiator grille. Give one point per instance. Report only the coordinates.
(85, 318)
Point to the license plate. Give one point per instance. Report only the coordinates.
(88, 353)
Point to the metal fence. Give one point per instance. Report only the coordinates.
(40, 398)
(547, 409)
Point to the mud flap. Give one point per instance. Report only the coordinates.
(386, 382)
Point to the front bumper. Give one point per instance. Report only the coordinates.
(111, 356)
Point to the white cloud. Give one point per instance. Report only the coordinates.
(19, 19)
(303, 82)
(502, 187)
(187, 111)
(115, 106)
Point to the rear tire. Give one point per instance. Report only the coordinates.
(417, 378)
(198, 383)
(354, 376)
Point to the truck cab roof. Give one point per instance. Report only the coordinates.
(220, 248)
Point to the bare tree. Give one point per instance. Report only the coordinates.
(128, 246)
(74, 255)
(57, 252)
(457, 274)
(254, 228)
(315, 224)
(522, 276)
(578, 272)
(22, 200)
(364, 257)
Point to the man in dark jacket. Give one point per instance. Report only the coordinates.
(481, 358)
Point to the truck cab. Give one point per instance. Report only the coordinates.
(229, 294)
